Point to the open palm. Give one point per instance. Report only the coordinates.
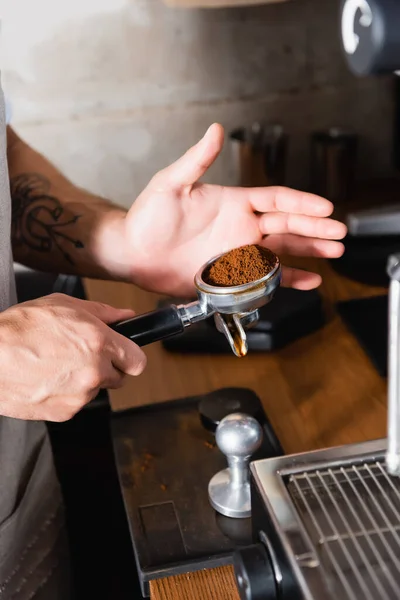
(177, 223)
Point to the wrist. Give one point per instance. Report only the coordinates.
(110, 247)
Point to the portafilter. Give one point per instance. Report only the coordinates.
(235, 308)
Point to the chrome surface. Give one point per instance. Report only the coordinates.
(237, 436)
(240, 298)
(337, 515)
(383, 220)
(193, 313)
(393, 422)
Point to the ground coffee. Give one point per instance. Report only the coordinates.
(241, 265)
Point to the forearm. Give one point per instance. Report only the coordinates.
(57, 226)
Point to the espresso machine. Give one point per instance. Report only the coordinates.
(326, 524)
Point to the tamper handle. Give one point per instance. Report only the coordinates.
(239, 471)
(238, 436)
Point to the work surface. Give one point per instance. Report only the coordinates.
(320, 391)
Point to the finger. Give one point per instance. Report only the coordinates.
(297, 245)
(117, 382)
(126, 356)
(315, 227)
(194, 163)
(282, 199)
(107, 314)
(113, 378)
(300, 280)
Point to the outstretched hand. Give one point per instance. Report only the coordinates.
(177, 223)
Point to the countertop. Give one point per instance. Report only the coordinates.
(320, 391)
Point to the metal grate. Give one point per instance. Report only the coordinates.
(352, 515)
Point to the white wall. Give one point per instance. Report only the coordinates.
(113, 90)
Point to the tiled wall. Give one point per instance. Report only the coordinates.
(113, 90)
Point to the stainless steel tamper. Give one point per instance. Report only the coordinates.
(238, 436)
(235, 308)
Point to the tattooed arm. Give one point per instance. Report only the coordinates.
(57, 226)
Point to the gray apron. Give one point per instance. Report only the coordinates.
(33, 550)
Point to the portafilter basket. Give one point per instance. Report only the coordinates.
(235, 309)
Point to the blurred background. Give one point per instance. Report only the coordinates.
(113, 90)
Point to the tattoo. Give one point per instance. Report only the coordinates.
(39, 219)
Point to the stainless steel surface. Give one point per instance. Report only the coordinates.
(393, 423)
(237, 436)
(193, 312)
(352, 515)
(383, 220)
(240, 298)
(233, 327)
(337, 515)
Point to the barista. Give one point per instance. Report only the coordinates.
(57, 352)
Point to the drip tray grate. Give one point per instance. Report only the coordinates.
(352, 516)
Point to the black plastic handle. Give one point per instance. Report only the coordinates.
(151, 327)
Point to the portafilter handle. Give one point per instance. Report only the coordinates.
(166, 322)
(161, 324)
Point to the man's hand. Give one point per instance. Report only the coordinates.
(173, 228)
(177, 224)
(57, 352)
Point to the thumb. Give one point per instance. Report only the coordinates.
(108, 314)
(194, 163)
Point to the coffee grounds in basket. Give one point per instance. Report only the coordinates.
(241, 265)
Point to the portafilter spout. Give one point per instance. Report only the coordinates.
(235, 308)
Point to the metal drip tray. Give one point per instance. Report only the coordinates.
(352, 515)
(337, 515)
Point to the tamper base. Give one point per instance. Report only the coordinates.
(234, 502)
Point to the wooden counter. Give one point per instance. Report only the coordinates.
(320, 391)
